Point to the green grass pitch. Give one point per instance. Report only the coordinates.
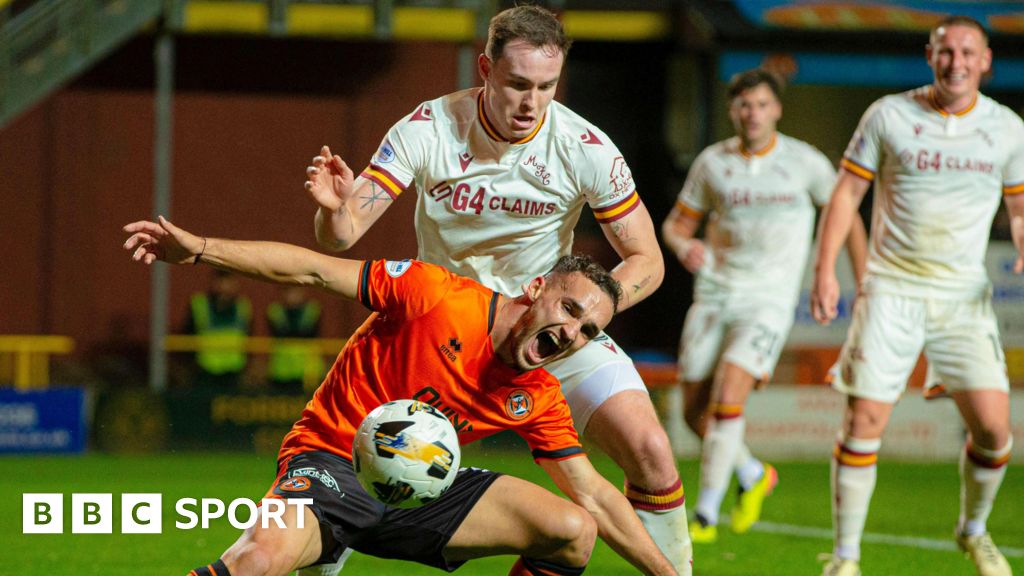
(913, 500)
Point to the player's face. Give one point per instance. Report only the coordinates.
(754, 114)
(519, 86)
(959, 57)
(567, 312)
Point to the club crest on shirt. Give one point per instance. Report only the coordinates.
(385, 154)
(620, 177)
(518, 404)
(396, 268)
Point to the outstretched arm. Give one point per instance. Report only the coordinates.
(642, 268)
(677, 231)
(269, 261)
(617, 523)
(346, 206)
(836, 220)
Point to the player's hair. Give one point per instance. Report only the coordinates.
(537, 26)
(593, 271)
(957, 20)
(743, 81)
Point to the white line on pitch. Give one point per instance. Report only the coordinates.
(891, 539)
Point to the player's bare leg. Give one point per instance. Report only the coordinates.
(516, 517)
(854, 471)
(273, 550)
(626, 428)
(982, 469)
(697, 406)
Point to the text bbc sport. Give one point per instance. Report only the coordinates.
(143, 513)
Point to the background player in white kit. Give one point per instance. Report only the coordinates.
(941, 157)
(759, 190)
(502, 175)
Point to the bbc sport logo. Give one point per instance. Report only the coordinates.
(143, 513)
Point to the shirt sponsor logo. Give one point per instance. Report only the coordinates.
(462, 198)
(396, 268)
(431, 396)
(518, 404)
(385, 154)
(935, 161)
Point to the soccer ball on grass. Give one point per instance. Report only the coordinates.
(406, 453)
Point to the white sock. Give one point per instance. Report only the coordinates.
(748, 469)
(675, 425)
(722, 441)
(981, 473)
(854, 471)
(663, 514)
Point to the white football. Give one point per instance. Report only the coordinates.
(406, 453)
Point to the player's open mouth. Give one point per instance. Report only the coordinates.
(522, 122)
(545, 346)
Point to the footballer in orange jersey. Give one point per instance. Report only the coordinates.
(471, 352)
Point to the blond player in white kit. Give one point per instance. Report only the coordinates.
(941, 156)
(759, 190)
(502, 174)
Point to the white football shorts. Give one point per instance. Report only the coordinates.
(594, 374)
(960, 339)
(749, 334)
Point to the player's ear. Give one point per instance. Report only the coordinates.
(484, 64)
(534, 287)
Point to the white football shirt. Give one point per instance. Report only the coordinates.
(939, 181)
(497, 211)
(761, 215)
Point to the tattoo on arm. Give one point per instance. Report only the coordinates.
(376, 195)
(641, 285)
(620, 230)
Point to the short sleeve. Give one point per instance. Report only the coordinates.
(822, 177)
(605, 177)
(863, 155)
(1013, 173)
(403, 151)
(695, 196)
(402, 289)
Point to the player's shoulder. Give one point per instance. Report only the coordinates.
(800, 148)
(457, 108)
(718, 151)
(1001, 113)
(574, 132)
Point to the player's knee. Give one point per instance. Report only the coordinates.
(257, 554)
(576, 533)
(249, 560)
(654, 465)
(864, 422)
(696, 419)
(991, 437)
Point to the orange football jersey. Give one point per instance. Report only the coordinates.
(430, 340)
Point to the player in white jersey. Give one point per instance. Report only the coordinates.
(759, 190)
(940, 156)
(502, 174)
